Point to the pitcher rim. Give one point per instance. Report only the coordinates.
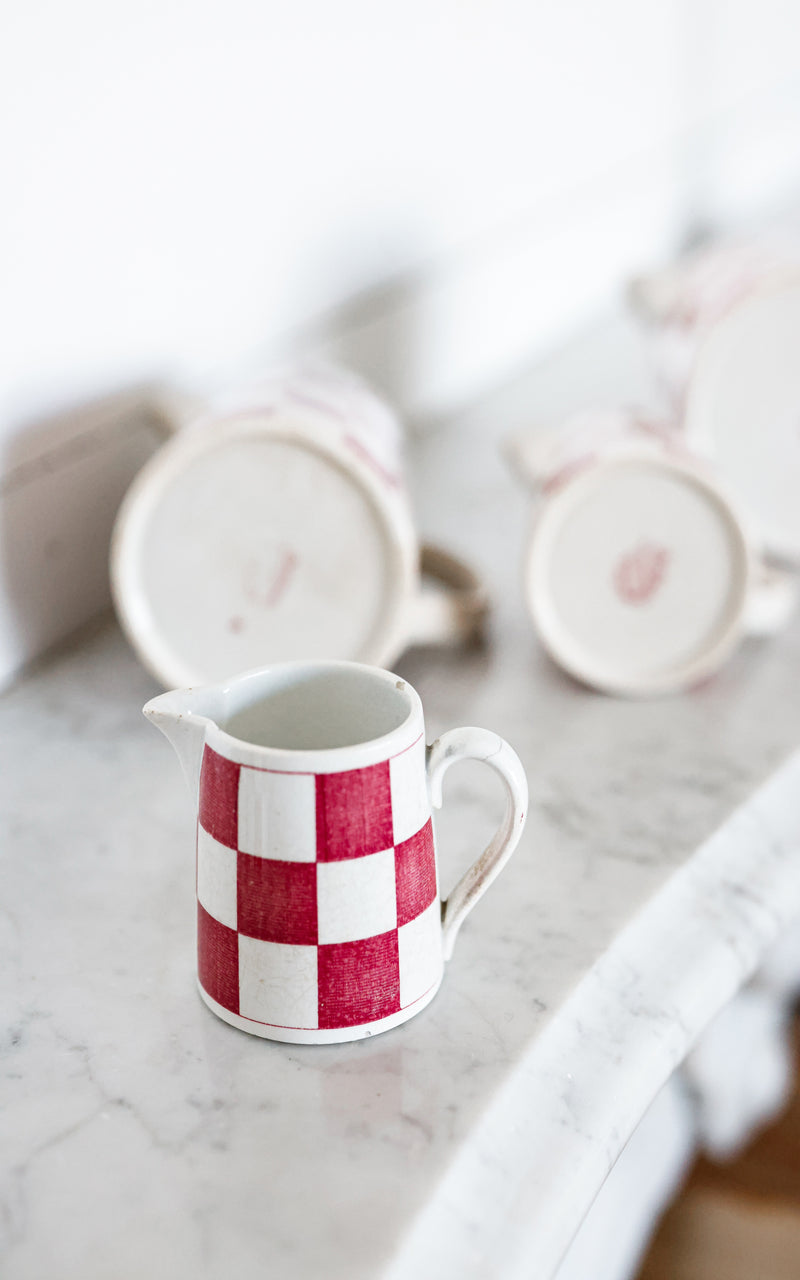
(311, 759)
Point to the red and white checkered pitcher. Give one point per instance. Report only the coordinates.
(319, 916)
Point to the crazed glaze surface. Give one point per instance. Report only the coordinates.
(142, 1135)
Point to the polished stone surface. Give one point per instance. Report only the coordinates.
(141, 1135)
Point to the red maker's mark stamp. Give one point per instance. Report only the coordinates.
(639, 573)
(265, 585)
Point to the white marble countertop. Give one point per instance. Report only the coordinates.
(142, 1136)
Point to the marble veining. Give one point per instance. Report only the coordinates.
(141, 1135)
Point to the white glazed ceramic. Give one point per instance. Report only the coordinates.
(680, 304)
(743, 410)
(278, 527)
(547, 457)
(319, 916)
(640, 574)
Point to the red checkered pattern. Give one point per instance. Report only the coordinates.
(318, 905)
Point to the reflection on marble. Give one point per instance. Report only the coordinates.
(141, 1135)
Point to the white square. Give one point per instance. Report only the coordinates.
(277, 815)
(420, 950)
(216, 878)
(356, 898)
(278, 983)
(410, 804)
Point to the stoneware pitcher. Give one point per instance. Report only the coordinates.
(318, 907)
(641, 572)
(277, 525)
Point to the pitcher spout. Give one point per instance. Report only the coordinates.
(183, 717)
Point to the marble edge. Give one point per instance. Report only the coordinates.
(567, 1110)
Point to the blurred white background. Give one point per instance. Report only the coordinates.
(436, 192)
(190, 184)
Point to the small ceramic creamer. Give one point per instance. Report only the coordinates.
(319, 916)
(680, 304)
(641, 573)
(725, 327)
(276, 525)
(743, 410)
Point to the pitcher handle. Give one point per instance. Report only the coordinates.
(772, 601)
(452, 605)
(478, 744)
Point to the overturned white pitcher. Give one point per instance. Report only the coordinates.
(641, 572)
(276, 525)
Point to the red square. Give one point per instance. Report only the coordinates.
(219, 798)
(415, 874)
(218, 960)
(359, 981)
(277, 901)
(354, 813)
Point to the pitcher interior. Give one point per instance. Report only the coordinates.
(318, 708)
